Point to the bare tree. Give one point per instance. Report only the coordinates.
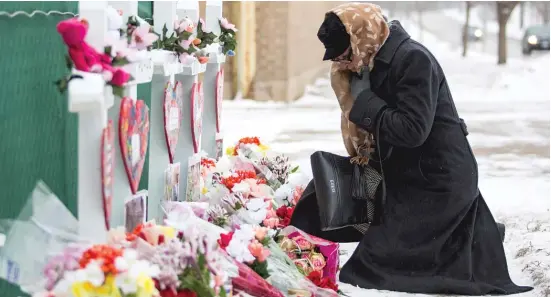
(466, 27)
(521, 14)
(504, 9)
(419, 7)
(543, 9)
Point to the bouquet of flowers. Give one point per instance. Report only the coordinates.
(99, 270)
(316, 258)
(250, 147)
(244, 279)
(247, 245)
(193, 265)
(45, 228)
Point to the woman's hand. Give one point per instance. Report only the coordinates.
(359, 83)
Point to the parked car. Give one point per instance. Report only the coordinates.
(535, 38)
(474, 33)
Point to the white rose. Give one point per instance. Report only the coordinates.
(242, 187)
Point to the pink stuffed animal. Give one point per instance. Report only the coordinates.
(84, 57)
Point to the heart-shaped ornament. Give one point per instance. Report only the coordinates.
(107, 172)
(133, 138)
(196, 115)
(219, 97)
(174, 97)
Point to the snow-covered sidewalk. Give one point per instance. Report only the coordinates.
(507, 113)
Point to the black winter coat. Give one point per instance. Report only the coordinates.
(437, 234)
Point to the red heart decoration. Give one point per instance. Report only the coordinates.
(172, 111)
(133, 138)
(219, 97)
(107, 172)
(196, 115)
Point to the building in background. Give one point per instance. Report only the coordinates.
(278, 50)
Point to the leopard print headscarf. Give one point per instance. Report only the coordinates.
(368, 32)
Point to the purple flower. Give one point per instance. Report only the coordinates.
(59, 264)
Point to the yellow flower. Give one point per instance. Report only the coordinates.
(86, 289)
(146, 286)
(229, 151)
(263, 149)
(167, 231)
(204, 190)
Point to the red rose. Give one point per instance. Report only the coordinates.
(224, 240)
(322, 282)
(314, 276)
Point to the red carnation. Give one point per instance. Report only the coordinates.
(224, 240)
(285, 213)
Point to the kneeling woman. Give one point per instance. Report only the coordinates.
(437, 234)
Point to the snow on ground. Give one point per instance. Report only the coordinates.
(506, 109)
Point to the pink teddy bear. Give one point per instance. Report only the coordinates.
(84, 57)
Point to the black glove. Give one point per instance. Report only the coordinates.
(359, 83)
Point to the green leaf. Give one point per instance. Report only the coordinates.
(261, 268)
(68, 62)
(172, 39)
(165, 30)
(61, 85)
(295, 169)
(184, 35)
(107, 50)
(265, 241)
(118, 91)
(120, 61)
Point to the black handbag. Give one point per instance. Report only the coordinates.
(334, 180)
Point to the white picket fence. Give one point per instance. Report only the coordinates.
(96, 107)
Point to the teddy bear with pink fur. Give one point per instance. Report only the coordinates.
(86, 58)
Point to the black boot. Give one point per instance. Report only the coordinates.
(501, 229)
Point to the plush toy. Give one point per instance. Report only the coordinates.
(84, 57)
(115, 23)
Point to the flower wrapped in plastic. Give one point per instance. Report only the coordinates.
(247, 245)
(100, 271)
(250, 147)
(316, 258)
(192, 264)
(286, 277)
(243, 278)
(43, 230)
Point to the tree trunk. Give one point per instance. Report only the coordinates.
(466, 28)
(522, 11)
(504, 10)
(420, 20)
(545, 11)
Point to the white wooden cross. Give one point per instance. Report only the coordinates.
(166, 65)
(213, 76)
(188, 78)
(90, 97)
(142, 72)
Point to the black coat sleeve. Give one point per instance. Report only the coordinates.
(410, 122)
